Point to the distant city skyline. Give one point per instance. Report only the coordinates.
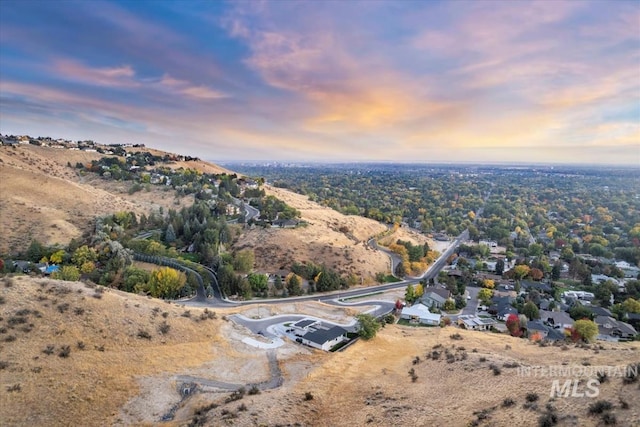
(329, 81)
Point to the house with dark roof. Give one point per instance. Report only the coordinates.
(539, 286)
(600, 311)
(324, 337)
(610, 329)
(556, 319)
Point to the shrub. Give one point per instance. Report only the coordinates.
(548, 419)
(63, 307)
(532, 397)
(236, 395)
(599, 407)
(609, 419)
(416, 360)
(496, 370)
(64, 352)
(602, 377)
(10, 338)
(456, 336)
(48, 350)
(413, 375)
(79, 311)
(508, 402)
(631, 374)
(308, 396)
(187, 313)
(254, 390)
(482, 359)
(242, 408)
(144, 334)
(163, 328)
(80, 345)
(15, 387)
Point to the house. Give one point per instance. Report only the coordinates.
(556, 319)
(536, 326)
(600, 311)
(302, 326)
(435, 298)
(539, 286)
(610, 329)
(501, 307)
(285, 223)
(324, 337)
(469, 321)
(419, 313)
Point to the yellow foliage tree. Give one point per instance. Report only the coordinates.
(419, 290)
(165, 282)
(56, 257)
(489, 283)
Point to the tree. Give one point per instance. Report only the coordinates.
(165, 282)
(36, 251)
(419, 291)
(449, 305)
(135, 278)
(293, 285)
(368, 326)
(243, 261)
(579, 311)
(531, 311)
(258, 282)
(410, 294)
(555, 271)
(536, 274)
(631, 305)
(461, 301)
(521, 271)
(400, 270)
(57, 257)
(513, 325)
(170, 234)
(586, 329)
(488, 283)
(500, 267)
(485, 296)
(69, 273)
(84, 254)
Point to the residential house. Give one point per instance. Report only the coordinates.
(600, 311)
(419, 313)
(610, 329)
(435, 297)
(301, 327)
(469, 321)
(539, 286)
(324, 337)
(536, 326)
(556, 319)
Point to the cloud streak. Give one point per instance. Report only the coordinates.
(433, 81)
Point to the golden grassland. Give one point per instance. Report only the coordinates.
(120, 377)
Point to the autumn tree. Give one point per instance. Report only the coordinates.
(419, 290)
(449, 305)
(57, 257)
(488, 283)
(521, 271)
(410, 294)
(631, 305)
(243, 261)
(513, 325)
(293, 285)
(165, 282)
(586, 329)
(83, 255)
(536, 274)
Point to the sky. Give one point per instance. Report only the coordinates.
(329, 81)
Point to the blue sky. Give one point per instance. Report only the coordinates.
(408, 81)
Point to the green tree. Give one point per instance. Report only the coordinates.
(485, 295)
(135, 278)
(586, 329)
(258, 282)
(531, 311)
(368, 326)
(36, 251)
(243, 261)
(69, 273)
(500, 267)
(170, 234)
(579, 311)
(631, 305)
(293, 285)
(410, 294)
(449, 305)
(57, 257)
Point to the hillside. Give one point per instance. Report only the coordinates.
(122, 370)
(43, 198)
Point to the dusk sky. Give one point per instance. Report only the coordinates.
(407, 81)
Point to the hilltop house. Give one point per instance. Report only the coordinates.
(318, 334)
(610, 329)
(469, 321)
(419, 313)
(556, 319)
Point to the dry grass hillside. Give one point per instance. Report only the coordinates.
(73, 355)
(42, 198)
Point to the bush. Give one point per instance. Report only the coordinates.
(308, 396)
(495, 369)
(163, 328)
(79, 311)
(48, 350)
(413, 375)
(609, 419)
(599, 407)
(15, 387)
(64, 352)
(144, 334)
(508, 402)
(548, 419)
(456, 336)
(236, 395)
(532, 397)
(631, 374)
(253, 390)
(80, 345)
(602, 377)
